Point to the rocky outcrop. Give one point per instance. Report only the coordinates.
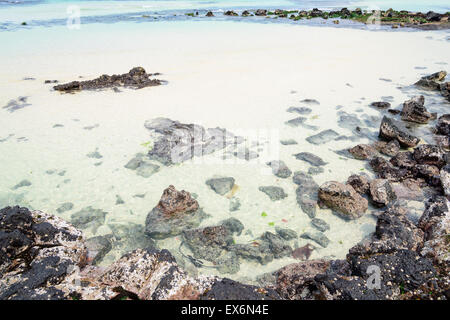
(37, 252)
(176, 211)
(312, 159)
(415, 111)
(136, 78)
(343, 199)
(306, 192)
(359, 182)
(393, 130)
(363, 152)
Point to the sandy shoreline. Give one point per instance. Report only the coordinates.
(231, 75)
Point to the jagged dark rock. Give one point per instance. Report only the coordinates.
(136, 78)
(391, 129)
(415, 111)
(175, 212)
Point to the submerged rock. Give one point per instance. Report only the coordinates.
(288, 142)
(320, 224)
(221, 185)
(306, 192)
(286, 234)
(66, 206)
(274, 193)
(318, 237)
(142, 166)
(343, 199)
(88, 218)
(280, 169)
(430, 154)
(415, 111)
(136, 78)
(37, 252)
(212, 244)
(176, 211)
(235, 204)
(296, 121)
(391, 129)
(303, 253)
(175, 142)
(323, 137)
(310, 158)
(299, 110)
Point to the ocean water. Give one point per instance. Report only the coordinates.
(54, 12)
(72, 148)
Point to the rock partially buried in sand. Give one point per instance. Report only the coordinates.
(280, 169)
(306, 192)
(343, 199)
(176, 211)
(221, 185)
(415, 111)
(363, 152)
(310, 158)
(136, 78)
(391, 129)
(273, 192)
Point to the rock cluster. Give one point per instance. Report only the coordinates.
(136, 78)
